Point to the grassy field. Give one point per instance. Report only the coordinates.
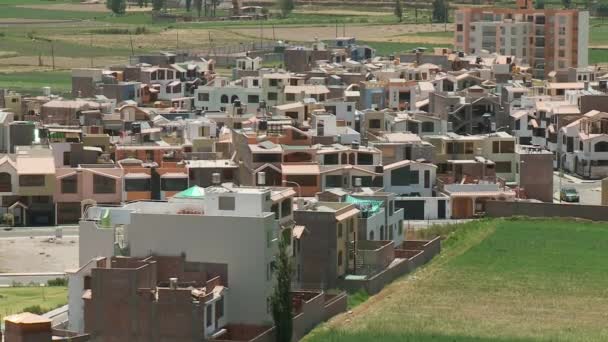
(14, 299)
(32, 82)
(501, 280)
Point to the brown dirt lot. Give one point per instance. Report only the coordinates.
(396, 33)
(37, 255)
(30, 63)
(188, 39)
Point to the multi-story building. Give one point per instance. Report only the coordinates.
(548, 39)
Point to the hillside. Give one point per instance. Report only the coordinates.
(499, 280)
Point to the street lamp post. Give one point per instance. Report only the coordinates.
(298, 185)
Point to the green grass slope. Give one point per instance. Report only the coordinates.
(500, 280)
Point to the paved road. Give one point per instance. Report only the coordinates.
(589, 190)
(38, 231)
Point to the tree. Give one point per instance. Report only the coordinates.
(539, 4)
(440, 10)
(286, 7)
(198, 4)
(158, 5)
(567, 3)
(118, 6)
(140, 3)
(280, 301)
(398, 10)
(146, 3)
(188, 5)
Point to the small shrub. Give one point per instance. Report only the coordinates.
(35, 309)
(58, 282)
(111, 31)
(356, 298)
(141, 30)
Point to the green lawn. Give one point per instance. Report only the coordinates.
(14, 299)
(387, 48)
(32, 82)
(500, 280)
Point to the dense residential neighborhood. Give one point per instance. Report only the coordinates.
(197, 195)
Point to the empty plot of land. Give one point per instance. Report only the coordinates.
(25, 255)
(397, 33)
(341, 12)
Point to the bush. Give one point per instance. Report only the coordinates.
(141, 30)
(111, 31)
(58, 282)
(35, 309)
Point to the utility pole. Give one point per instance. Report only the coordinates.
(131, 40)
(91, 43)
(446, 18)
(336, 29)
(176, 39)
(274, 38)
(261, 34)
(344, 29)
(53, 54)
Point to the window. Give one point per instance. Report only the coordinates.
(404, 177)
(69, 185)
(374, 123)
(6, 183)
(340, 256)
(339, 230)
(371, 235)
(274, 82)
(173, 184)
(331, 159)
(365, 159)
(226, 203)
(142, 184)
(349, 108)
(31, 180)
(66, 158)
(290, 97)
(459, 28)
(561, 53)
(601, 146)
(365, 180)
(333, 181)
(253, 99)
(503, 167)
(400, 228)
(428, 127)
(203, 97)
(224, 99)
(286, 207)
(391, 208)
(209, 311)
(219, 308)
(103, 185)
(507, 147)
(272, 96)
(469, 148)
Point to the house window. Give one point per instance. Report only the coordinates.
(601, 146)
(503, 167)
(203, 97)
(272, 96)
(6, 183)
(349, 108)
(375, 123)
(404, 177)
(371, 235)
(333, 181)
(275, 209)
(142, 184)
(340, 257)
(400, 228)
(331, 159)
(428, 127)
(226, 203)
(208, 314)
(103, 185)
(219, 308)
(253, 99)
(290, 97)
(365, 159)
(69, 185)
(339, 230)
(224, 99)
(286, 207)
(274, 82)
(31, 180)
(66, 158)
(173, 184)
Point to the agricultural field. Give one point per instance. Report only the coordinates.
(495, 280)
(14, 299)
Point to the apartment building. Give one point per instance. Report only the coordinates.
(547, 39)
(232, 228)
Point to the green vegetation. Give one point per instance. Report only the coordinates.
(32, 82)
(41, 299)
(388, 48)
(280, 301)
(398, 10)
(495, 280)
(355, 299)
(286, 7)
(597, 56)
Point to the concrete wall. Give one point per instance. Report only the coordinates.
(94, 242)
(241, 243)
(523, 208)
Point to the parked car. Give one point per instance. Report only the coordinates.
(569, 195)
